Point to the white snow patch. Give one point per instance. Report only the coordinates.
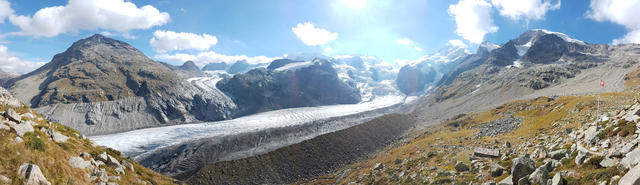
(294, 66)
(143, 141)
(563, 36)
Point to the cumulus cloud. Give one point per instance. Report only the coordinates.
(458, 43)
(5, 10)
(164, 41)
(204, 58)
(312, 36)
(417, 48)
(525, 9)
(404, 41)
(116, 15)
(619, 12)
(11, 63)
(473, 19)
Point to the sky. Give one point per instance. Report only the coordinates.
(174, 31)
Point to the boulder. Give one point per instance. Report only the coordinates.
(108, 159)
(78, 162)
(506, 181)
(558, 154)
(631, 159)
(524, 181)
(119, 170)
(22, 128)
(460, 166)
(56, 136)
(32, 175)
(581, 157)
(591, 135)
(5, 180)
(486, 152)
(29, 116)
(540, 153)
(7, 99)
(608, 162)
(557, 179)
(12, 115)
(540, 176)
(496, 170)
(632, 177)
(521, 167)
(4, 127)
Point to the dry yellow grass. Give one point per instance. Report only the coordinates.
(53, 160)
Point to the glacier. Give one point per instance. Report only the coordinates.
(145, 141)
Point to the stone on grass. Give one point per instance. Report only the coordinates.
(32, 175)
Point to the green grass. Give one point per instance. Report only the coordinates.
(33, 142)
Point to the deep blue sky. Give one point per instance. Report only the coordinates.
(264, 27)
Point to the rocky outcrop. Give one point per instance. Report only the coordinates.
(32, 175)
(101, 85)
(262, 90)
(411, 80)
(239, 67)
(5, 77)
(186, 70)
(280, 62)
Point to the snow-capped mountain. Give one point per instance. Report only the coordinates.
(424, 73)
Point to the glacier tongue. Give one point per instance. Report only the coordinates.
(143, 141)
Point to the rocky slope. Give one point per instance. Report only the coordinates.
(187, 70)
(36, 151)
(300, 84)
(100, 85)
(547, 140)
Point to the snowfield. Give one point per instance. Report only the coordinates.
(145, 141)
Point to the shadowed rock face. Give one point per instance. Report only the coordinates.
(102, 85)
(5, 77)
(239, 67)
(411, 79)
(262, 90)
(280, 62)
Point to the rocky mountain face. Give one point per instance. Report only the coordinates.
(428, 70)
(5, 77)
(537, 59)
(186, 70)
(298, 84)
(239, 67)
(37, 151)
(100, 85)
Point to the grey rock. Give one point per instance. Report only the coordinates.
(56, 136)
(29, 116)
(608, 162)
(557, 179)
(4, 127)
(119, 170)
(5, 179)
(128, 165)
(540, 176)
(460, 166)
(32, 175)
(591, 134)
(22, 128)
(100, 174)
(506, 181)
(521, 167)
(18, 140)
(496, 127)
(78, 162)
(108, 159)
(496, 170)
(581, 157)
(631, 177)
(7, 99)
(85, 155)
(524, 181)
(558, 154)
(486, 152)
(631, 159)
(12, 115)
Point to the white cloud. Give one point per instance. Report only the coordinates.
(619, 12)
(404, 41)
(204, 58)
(5, 10)
(458, 43)
(631, 37)
(417, 48)
(164, 41)
(11, 63)
(116, 15)
(312, 36)
(473, 19)
(525, 9)
(328, 50)
(124, 35)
